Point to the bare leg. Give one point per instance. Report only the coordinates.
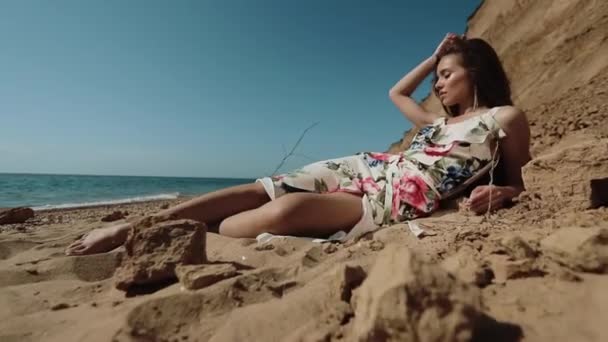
(210, 208)
(304, 214)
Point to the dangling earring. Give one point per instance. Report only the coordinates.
(475, 99)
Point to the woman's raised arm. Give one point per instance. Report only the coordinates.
(400, 93)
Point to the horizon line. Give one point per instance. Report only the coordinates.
(101, 175)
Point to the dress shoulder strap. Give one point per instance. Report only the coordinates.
(492, 112)
(490, 119)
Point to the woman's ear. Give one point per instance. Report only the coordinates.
(472, 75)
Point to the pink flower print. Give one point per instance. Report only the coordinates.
(396, 199)
(366, 185)
(438, 150)
(380, 156)
(410, 189)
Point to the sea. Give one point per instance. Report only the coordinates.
(51, 191)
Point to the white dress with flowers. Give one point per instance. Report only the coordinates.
(399, 187)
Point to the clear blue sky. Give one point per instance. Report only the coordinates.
(206, 88)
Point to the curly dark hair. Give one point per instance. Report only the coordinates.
(485, 70)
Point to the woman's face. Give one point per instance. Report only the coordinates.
(453, 82)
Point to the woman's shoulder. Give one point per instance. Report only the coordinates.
(509, 117)
(508, 112)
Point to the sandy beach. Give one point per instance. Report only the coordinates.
(49, 296)
(536, 271)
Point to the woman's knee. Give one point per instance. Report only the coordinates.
(234, 226)
(228, 228)
(279, 213)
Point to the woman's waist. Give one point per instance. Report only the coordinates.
(460, 151)
(442, 173)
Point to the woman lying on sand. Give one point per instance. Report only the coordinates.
(366, 191)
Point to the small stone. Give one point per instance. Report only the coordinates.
(15, 215)
(32, 271)
(155, 246)
(312, 256)
(599, 192)
(330, 248)
(264, 247)
(60, 306)
(114, 216)
(164, 206)
(199, 276)
(279, 289)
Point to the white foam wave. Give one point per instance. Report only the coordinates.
(111, 202)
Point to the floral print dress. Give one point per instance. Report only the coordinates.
(399, 187)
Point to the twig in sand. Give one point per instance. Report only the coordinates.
(293, 148)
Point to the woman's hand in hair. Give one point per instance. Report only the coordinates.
(447, 41)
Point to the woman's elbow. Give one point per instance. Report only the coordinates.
(392, 93)
(396, 95)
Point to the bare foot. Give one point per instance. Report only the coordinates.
(99, 240)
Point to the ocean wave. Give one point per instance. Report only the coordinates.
(168, 196)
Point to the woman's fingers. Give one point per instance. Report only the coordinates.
(481, 208)
(480, 197)
(446, 42)
(477, 190)
(480, 194)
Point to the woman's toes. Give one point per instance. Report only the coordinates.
(77, 242)
(78, 250)
(74, 246)
(81, 249)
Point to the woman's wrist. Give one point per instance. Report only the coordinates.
(509, 192)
